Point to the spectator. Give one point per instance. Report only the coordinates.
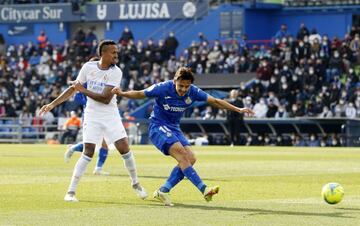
(272, 109)
(326, 113)
(350, 110)
(314, 36)
(260, 109)
(171, 44)
(126, 36)
(234, 120)
(281, 112)
(202, 38)
(2, 45)
(71, 127)
(2, 109)
(282, 33)
(42, 40)
(303, 31)
(90, 37)
(314, 141)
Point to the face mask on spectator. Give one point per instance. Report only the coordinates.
(336, 54)
(283, 79)
(294, 78)
(273, 80)
(301, 44)
(284, 86)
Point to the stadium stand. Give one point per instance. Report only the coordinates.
(306, 74)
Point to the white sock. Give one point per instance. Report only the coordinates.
(79, 170)
(129, 162)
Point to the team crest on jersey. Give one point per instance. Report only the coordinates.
(105, 78)
(188, 100)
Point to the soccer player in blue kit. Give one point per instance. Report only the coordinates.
(172, 98)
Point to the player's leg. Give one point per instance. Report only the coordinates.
(92, 135)
(183, 156)
(79, 171)
(103, 153)
(71, 149)
(116, 134)
(122, 146)
(176, 174)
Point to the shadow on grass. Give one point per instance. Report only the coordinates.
(253, 211)
(162, 177)
(260, 211)
(348, 208)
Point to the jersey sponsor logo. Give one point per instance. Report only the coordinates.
(167, 97)
(174, 109)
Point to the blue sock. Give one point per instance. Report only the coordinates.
(78, 147)
(103, 153)
(192, 175)
(175, 177)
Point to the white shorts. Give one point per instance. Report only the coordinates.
(110, 129)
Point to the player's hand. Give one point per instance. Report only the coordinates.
(117, 91)
(46, 108)
(246, 111)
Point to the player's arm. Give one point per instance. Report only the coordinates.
(134, 94)
(65, 95)
(222, 104)
(104, 97)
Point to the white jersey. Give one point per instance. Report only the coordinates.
(96, 80)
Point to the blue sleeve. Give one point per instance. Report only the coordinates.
(200, 95)
(155, 90)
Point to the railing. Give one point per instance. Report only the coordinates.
(348, 129)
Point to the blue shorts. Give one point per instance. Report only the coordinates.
(163, 137)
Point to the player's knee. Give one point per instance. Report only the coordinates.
(185, 158)
(89, 150)
(89, 153)
(192, 159)
(122, 146)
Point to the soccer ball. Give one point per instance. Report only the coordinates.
(332, 193)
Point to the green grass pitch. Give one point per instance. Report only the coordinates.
(258, 186)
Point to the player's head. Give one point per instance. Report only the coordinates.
(183, 80)
(108, 52)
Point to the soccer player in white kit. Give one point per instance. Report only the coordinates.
(101, 115)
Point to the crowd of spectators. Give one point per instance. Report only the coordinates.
(303, 74)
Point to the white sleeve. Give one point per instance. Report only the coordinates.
(82, 74)
(115, 78)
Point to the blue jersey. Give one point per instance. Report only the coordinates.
(169, 107)
(80, 98)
